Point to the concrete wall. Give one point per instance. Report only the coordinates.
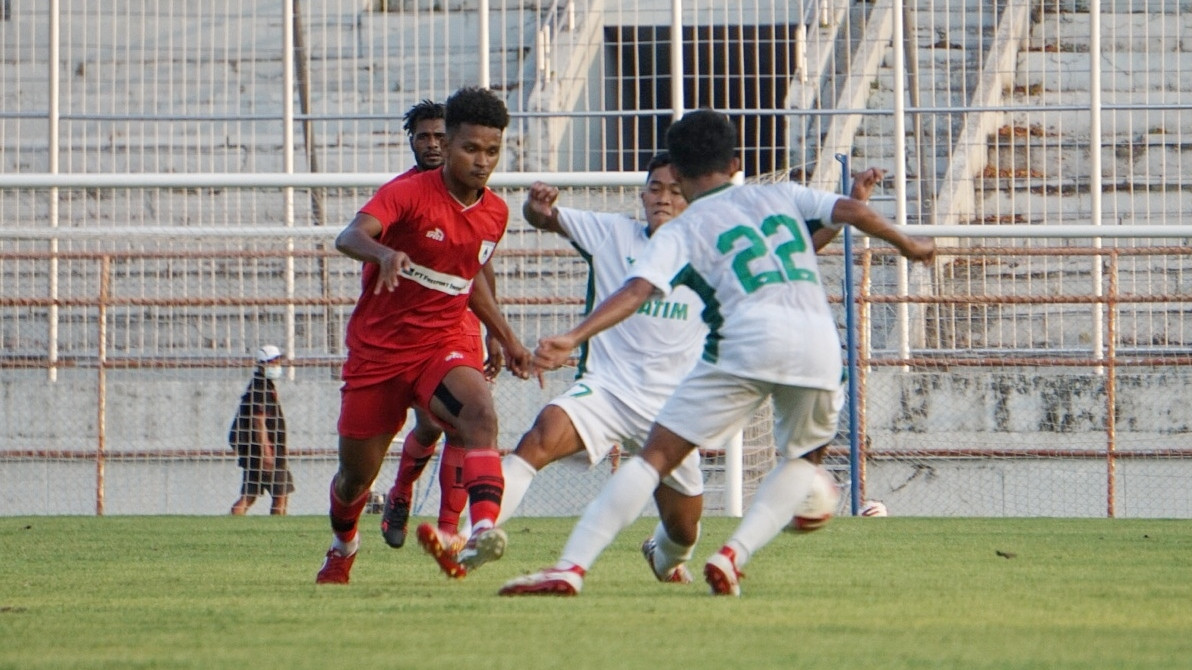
(907, 413)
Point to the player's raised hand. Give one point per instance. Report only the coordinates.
(541, 198)
(552, 352)
(391, 266)
(863, 183)
(918, 248)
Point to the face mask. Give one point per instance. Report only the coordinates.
(273, 372)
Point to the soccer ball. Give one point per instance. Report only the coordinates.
(819, 506)
(874, 508)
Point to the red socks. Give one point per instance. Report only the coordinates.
(451, 486)
(485, 484)
(344, 516)
(414, 457)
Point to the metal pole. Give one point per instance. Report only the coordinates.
(302, 64)
(1111, 393)
(904, 347)
(850, 333)
(482, 42)
(54, 122)
(678, 74)
(287, 124)
(926, 172)
(101, 418)
(734, 476)
(1095, 194)
(1095, 197)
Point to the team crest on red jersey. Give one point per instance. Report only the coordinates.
(486, 250)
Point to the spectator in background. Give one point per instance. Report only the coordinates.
(258, 436)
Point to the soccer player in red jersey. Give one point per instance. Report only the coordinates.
(426, 127)
(423, 241)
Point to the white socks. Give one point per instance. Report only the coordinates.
(620, 502)
(346, 549)
(667, 552)
(773, 507)
(518, 475)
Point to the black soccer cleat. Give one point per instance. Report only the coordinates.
(393, 524)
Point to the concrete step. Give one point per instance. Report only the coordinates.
(1121, 71)
(1118, 6)
(1149, 154)
(1074, 125)
(1052, 206)
(1165, 32)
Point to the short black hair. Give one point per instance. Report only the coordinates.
(660, 159)
(702, 142)
(477, 106)
(423, 111)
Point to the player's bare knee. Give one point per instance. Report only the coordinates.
(478, 424)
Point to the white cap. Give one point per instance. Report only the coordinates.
(268, 353)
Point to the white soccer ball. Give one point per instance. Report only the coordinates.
(817, 509)
(874, 508)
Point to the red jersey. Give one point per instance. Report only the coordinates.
(447, 244)
(471, 321)
(407, 174)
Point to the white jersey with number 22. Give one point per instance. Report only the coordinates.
(747, 252)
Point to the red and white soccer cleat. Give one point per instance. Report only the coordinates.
(336, 568)
(722, 574)
(444, 548)
(548, 582)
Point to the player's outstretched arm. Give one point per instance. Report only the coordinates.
(484, 304)
(553, 352)
(539, 208)
(863, 218)
(359, 241)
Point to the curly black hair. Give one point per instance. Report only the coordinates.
(427, 109)
(702, 142)
(477, 106)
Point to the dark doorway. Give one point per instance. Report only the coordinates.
(729, 68)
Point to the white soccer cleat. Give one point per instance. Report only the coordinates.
(676, 575)
(487, 545)
(548, 582)
(722, 574)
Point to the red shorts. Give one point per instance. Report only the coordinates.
(376, 396)
(471, 324)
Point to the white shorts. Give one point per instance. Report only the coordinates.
(603, 420)
(711, 405)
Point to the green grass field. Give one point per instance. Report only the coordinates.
(223, 592)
